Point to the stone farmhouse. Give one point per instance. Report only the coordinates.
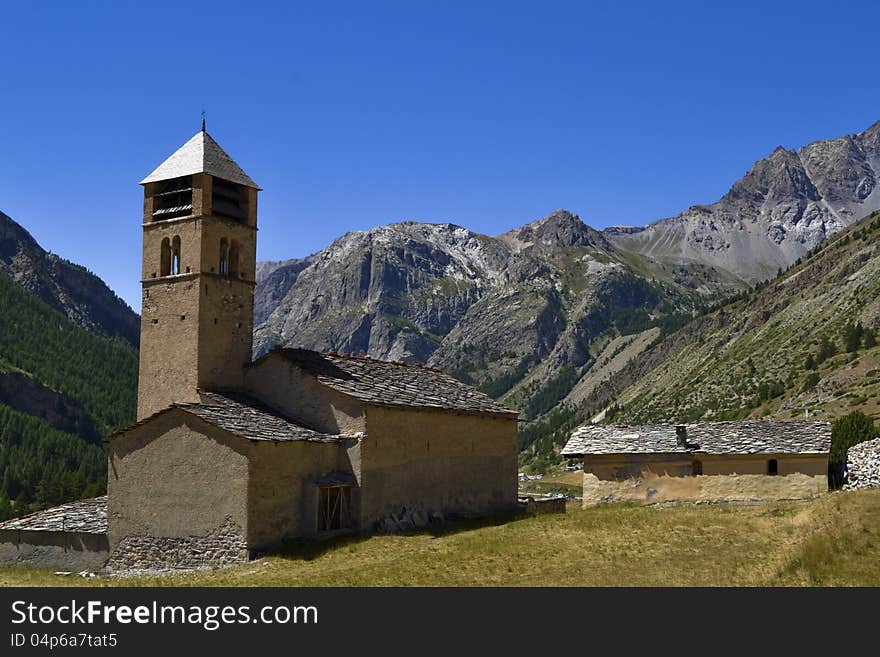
(704, 461)
(230, 457)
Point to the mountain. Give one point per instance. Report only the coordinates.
(68, 375)
(801, 344)
(505, 313)
(785, 205)
(69, 288)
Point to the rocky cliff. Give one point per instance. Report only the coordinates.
(493, 310)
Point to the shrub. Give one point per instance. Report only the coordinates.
(847, 431)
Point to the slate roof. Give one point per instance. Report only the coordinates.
(394, 384)
(242, 416)
(201, 154)
(250, 419)
(761, 437)
(746, 437)
(620, 439)
(83, 516)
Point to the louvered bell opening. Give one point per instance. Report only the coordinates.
(228, 200)
(173, 198)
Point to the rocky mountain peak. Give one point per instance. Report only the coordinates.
(782, 207)
(778, 177)
(558, 230)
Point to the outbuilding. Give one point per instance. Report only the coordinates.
(71, 537)
(704, 461)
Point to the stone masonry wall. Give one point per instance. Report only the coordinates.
(863, 465)
(651, 488)
(221, 547)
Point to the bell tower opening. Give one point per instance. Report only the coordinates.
(198, 204)
(171, 198)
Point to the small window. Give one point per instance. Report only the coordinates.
(697, 468)
(772, 467)
(233, 259)
(165, 263)
(175, 255)
(224, 256)
(334, 508)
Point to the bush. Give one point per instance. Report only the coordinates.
(847, 431)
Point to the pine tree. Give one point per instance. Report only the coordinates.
(852, 336)
(826, 350)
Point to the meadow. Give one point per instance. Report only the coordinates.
(833, 540)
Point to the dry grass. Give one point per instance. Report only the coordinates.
(832, 540)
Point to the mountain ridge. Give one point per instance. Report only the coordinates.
(783, 206)
(803, 343)
(71, 289)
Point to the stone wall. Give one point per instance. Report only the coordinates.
(168, 370)
(536, 506)
(283, 488)
(640, 478)
(222, 546)
(652, 488)
(177, 487)
(421, 464)
(863, 465)
(61, 550)
(284, 386)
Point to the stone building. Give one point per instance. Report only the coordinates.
(704, 461)
(70, 537)
(230, 457)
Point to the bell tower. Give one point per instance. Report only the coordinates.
(199, 267)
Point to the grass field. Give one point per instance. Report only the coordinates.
(829, 541)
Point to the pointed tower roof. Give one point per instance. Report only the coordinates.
(201, 154)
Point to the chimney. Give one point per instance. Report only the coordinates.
(682, 435)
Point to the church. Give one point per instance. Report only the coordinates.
(231, 456)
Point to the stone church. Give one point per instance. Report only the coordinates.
(230, 457)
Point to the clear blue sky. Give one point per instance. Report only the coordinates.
(484, 114)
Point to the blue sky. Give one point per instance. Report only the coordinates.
(353, 115)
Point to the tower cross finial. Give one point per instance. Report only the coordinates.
(203, 120)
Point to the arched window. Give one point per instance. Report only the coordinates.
(175, 255)
(224, 256)
(165, 263)
(233, 259)
(772, 467)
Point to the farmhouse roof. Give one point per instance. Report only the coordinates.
(201, 154)
(83, 516)
(392, 383)
(746, 437)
